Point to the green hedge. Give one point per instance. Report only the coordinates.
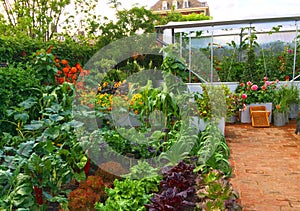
(19, 49)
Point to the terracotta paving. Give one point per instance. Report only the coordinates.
(266, 166)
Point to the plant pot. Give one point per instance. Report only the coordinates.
(286, 117)
(293, 110)
(201, 124)
(245, 115)
(279, 119)
(231, 119)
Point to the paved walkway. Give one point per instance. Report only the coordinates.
(266, 166)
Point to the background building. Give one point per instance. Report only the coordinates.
(185, 7)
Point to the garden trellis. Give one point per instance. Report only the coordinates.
(215, 34)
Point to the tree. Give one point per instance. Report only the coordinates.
(128, 23)
(40, 18)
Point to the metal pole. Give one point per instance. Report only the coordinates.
(180, 43)
(173, 36)
(295, 51)
(212, 56)
(190, 56)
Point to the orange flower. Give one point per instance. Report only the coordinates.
(278, 107)
(64, 62)
(73, 70)
(78, 66)
(66, 70)
(136, 111)
(74, 77)
(56, 60)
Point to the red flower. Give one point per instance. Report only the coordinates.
(60, 80)
(263, 88)
(244, 96)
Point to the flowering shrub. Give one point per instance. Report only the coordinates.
(68, 73)
(257, 93)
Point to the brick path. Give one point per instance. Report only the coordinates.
(266, 166)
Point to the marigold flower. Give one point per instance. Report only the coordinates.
(136, 111)
(278, 107)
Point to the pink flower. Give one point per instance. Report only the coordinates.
(244, 96)
(263, 88)
(265, 78)
(249, 83)
(267, 83)
(254, 87)
(290, 51)
(277, 81)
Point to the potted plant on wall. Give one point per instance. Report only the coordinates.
(293, 101)
(281, 106)
(212, 105)
(253, 94)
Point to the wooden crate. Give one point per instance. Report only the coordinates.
(259, 116)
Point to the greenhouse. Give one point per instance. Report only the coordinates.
(230, 41)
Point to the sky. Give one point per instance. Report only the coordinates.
(226, 9)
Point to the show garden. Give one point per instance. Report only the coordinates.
(118, 127)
